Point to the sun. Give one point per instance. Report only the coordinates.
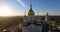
(5, 10)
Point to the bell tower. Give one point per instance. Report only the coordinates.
(31, 17)
(46, 17)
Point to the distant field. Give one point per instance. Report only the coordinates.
(6, 23)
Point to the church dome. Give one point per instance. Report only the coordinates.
(31, 12)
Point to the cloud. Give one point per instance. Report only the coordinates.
(22, 3)
(19, 1)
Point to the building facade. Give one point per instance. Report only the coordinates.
(31, 23)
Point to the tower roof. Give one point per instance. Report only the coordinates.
(31, 12)
(47, 14)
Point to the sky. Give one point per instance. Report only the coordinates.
(18, 7)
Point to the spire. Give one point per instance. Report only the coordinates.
(47, 14)
(25, 13)
(46, 17)
(38, 13)
(30, 4)
(24, 16)
(31, 12)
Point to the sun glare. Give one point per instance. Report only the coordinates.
(5, 10)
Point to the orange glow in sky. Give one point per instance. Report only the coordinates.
(5, 10)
